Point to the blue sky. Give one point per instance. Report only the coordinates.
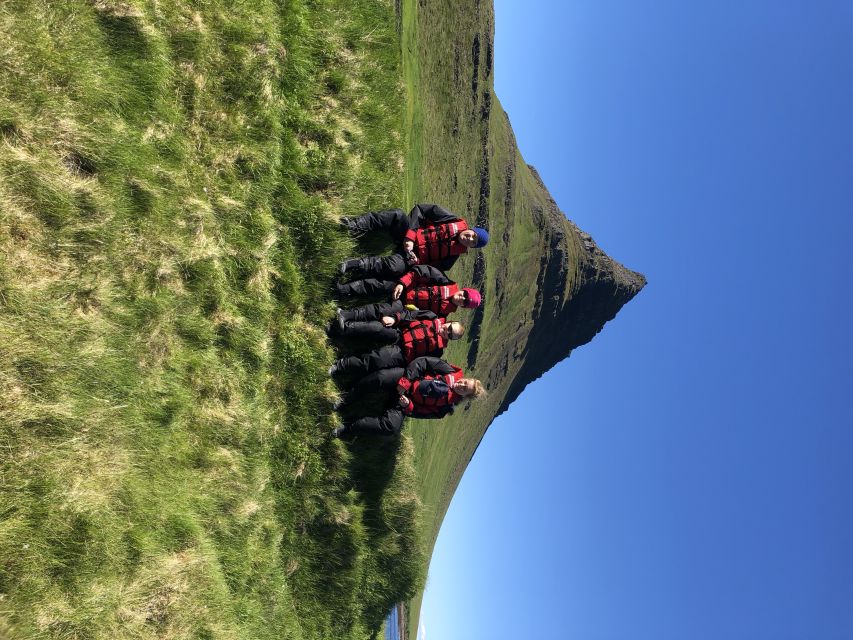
(695, 479)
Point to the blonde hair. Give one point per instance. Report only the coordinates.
(479, 389)
(458, 330)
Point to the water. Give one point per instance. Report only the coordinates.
(392, 625)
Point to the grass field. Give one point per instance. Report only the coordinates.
(170, 176)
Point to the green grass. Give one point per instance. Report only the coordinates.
(170, 176)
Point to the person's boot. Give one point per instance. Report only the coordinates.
(342, 365)
(359, 314)
(368, 330)
(347, 315)
(345, 365)
(352, 227)
(336, 368)
(352, 289)
(338, 323)
(353, 264)
(341, 318)
(341, 402)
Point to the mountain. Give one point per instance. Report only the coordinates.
(547, 286)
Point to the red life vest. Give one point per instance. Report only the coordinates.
(421, 338)
(422, 404)
(435, 298)
(435, 242)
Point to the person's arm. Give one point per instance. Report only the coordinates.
(408, 315)
(404, 385)
(432, 214)
(424, 274)
(455, 375)
(418, 276)
(408, 278)
(429, 366)
(406, 404)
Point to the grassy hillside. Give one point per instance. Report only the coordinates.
(170, 176)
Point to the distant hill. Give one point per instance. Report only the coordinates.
(548, 288)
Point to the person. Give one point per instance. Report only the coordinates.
(430, 234)
(427, 388)
(413, 334)
(421, 282)
(423, 287)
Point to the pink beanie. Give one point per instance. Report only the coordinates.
(473, 298)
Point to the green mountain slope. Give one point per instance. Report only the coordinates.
(547, 287)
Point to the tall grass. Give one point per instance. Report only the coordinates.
(170, 177)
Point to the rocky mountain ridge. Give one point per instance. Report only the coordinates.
(563, 321)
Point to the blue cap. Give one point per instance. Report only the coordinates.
(482, 237)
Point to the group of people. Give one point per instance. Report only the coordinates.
(407, 372)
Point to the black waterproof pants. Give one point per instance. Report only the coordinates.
(394, 221)
(370, 312)
(382, 382)
(388, 424)
(370, 330)
(391, 420)
(382, 358)
(384, 267)
(368, 287)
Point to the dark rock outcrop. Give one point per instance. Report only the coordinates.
(563, 323)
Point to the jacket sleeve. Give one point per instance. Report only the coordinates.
(409, 278)
(428, 366)
(457, 374)
(408, 315)
(427, 274)
(406, 383)
(430, 214)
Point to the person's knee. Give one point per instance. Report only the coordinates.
(393, 356)
(375, 360)
(371, 382)
(394, 265)
(392, 421)
(384, 358)
(388, 378)
(364, 329)
(398, 222)
(388, 308)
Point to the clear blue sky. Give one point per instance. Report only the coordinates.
(689, 473)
